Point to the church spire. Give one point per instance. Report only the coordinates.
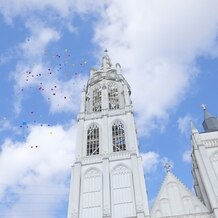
(193, 128)
(210, 122)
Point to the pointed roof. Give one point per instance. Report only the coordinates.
(175, 198)
(193, 128)
(210, 122)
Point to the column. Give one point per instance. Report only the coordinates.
(207, 175)
(104, 99)
(106, 189)
(79, 139)
(137, 188)
(143, 187)
(132, 140)
(126, 95)
(75, 184)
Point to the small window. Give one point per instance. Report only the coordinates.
(93, 140)
(97, 99)
(119, 143)
(113, 96)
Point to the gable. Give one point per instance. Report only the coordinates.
(175, 199)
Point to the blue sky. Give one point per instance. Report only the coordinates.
(168, 51)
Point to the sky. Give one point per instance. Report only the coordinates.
(168, 51)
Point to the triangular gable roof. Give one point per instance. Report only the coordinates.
(175, 198)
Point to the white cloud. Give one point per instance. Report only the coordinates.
(184, 124)
(65, 8)
(32, 70)
(158, 42)
(187, 156)
(39, 38)
(35, 172)
(5, 124)
(62, 96)
(150, 161)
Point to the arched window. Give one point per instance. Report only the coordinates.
(93, 140)
(97, 99)
(113, 96)
(118, 135)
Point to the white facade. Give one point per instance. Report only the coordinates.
(107, 177)
(175, 200)
(205, 168)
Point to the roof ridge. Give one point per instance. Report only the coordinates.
(159, 192)
(183, 185)
(192, 194)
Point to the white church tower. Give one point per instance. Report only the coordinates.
(205, 162)
(107, 178)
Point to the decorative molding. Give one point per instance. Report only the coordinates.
(74, 214)
(120, 170)
(107, 212)
(99, 158)
(210, 143)
(91, 159)
(118, 155)
(92, 173)
(139, 207)
(215, 157)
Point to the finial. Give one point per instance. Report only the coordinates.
(168, 167)
(193, 128)
(203, 106)
(106, 62)
(105, 50)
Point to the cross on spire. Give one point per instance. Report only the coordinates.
(168, 167)
(203, 106)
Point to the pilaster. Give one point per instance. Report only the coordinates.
(137, 187)
(73, 208)
(207, 175)
(106, 189)
(82, 103)
(104, 97)
(105, 143)
(126, 95)
(132, 141)
(80, 138)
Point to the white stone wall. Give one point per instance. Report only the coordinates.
(110, 184)
(175, 200)
(205, 153)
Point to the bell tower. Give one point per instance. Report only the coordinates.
(107, 177)
(205, 161)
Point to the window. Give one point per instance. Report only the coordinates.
(118, 136)
(93, 140)
(113, 96)
(97, 99)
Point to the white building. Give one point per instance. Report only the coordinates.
(107, 177)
